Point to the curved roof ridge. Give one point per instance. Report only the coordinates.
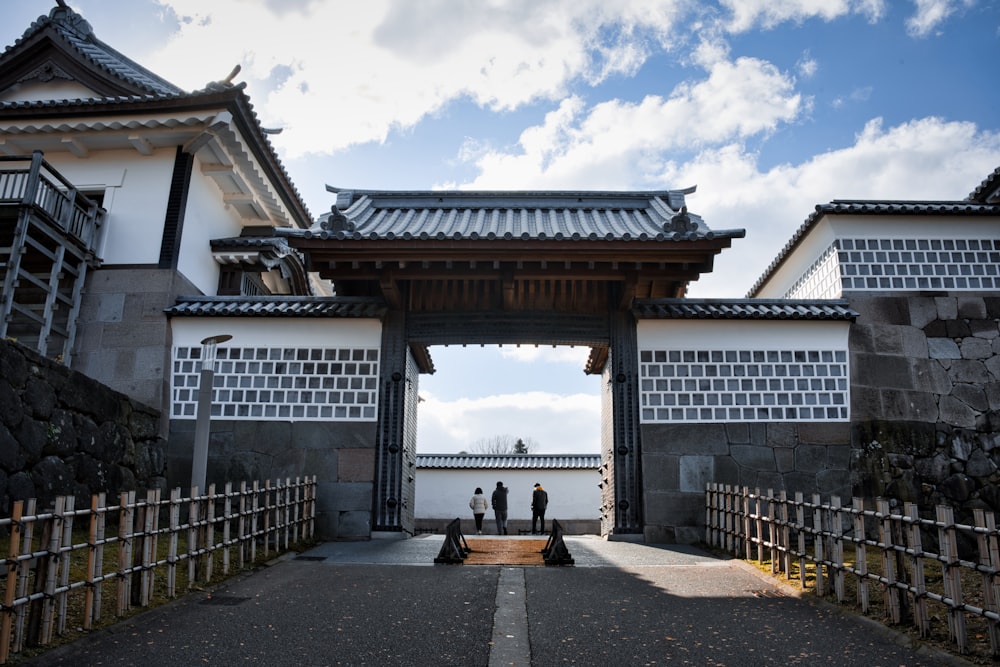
(77, 34)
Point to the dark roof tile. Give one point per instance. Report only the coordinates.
(742, 309)
(276, 306)
(510, 461)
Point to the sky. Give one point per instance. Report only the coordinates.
(768, 107)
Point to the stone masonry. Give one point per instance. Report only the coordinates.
(926, 400)
(63, 433)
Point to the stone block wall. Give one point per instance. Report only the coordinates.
(63, 433)
(926, 399)
(123, 336)
(678, 461)
(340, 454)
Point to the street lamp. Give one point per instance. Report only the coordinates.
(199, 459)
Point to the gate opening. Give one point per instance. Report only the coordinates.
(538, 394)
(472, 411)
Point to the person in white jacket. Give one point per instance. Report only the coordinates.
(479, 505)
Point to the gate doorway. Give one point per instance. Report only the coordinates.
(491, 268)
(517, 414)
(479, 398)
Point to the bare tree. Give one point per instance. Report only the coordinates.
(503, 444)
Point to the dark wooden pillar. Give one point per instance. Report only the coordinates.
(387, 500)
(627, 446)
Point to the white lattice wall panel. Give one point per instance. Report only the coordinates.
(708, 371)
(743, 385)
(919, 264)
(281, 383)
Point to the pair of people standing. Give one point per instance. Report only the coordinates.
(539, 502)
(478, 503)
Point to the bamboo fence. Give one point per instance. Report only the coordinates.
(51, 581)
(891, 550)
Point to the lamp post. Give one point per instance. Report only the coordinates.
(199, 459)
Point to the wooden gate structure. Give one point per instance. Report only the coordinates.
(553, 268)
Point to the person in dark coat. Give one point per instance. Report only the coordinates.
(539, 501)
(499, 503)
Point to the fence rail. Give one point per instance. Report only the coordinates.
(50, 579)
(843, 542)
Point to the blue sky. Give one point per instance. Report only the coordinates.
(769, 107)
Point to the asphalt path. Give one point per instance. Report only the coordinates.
(384, 602)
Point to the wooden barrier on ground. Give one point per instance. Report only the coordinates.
(882, 548)
(555, 551)
(454, 549)
(45, 569)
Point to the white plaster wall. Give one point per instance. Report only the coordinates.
(265, 332)
(136, 191)
(809, 250)
(207, 217)
(445, 493)
(742, 335)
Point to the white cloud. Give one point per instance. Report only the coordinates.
(556, 423)
(338, 74)
(618, 144)
(529, 354)
(747, 14)
(932, 13)
(927, 158)
(807, 66)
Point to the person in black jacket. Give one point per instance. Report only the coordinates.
(539, 501)
(499, 502)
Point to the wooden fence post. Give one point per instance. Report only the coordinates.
(800, 520)
(208, 535)
(733, 521)
(268, 509)
(951, 575)
(227, 509)
(747, 541)
(989, 558)
(921, 619)
(93, 568)
(192, 543)
(175, 529)
(861, 554)
(786, 541)
(818, 544)
(837, 547)
(241, 531)
(64, 563)
(102, 531)
(10, 587)
(888, 561)
(126, 532)
(254, 512)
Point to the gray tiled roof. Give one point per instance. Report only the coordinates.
(964, 208)
(742, 309)
(76, 32)
(510, 461)
(276, 306)
(988, 190)
(461, 215)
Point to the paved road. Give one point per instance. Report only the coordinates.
(385, 603)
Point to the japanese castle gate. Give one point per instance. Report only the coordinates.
(553, 268)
